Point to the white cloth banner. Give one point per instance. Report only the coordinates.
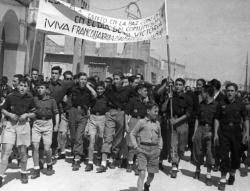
(60, 17)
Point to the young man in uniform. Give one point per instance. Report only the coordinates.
(229, 117)
(146, 139)
(136, 110)
(82, 99)
(46, 108)
(182, 109)
(96, 122)
(202, 137)
(118, 97)
(17, 109)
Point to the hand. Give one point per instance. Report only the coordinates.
(56, 127)
(216, 140)
(173, 121)
(23, 117)
(245, 138)
(13, 117)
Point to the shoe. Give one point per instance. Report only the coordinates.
(49, 170)
(61, 156)
(197, 175)
(76, 165)
(41, 165)
(101, 169)
(1, 181)
(209, 181)
(136, 171)
(222, 186)
(112, 165)
(243, 172)
(231, 180)
(216, 168)
(129, 168)
(35, 174)
(174, 172)
(146, 187)
(54, 160)
(89, 167)
(24, 178)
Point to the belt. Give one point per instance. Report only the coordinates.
(149, 144)
(97, 113)
(43, 118)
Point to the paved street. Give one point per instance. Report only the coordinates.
(115, 180)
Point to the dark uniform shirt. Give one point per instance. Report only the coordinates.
(19, 104)
(182, 105)
(46, 107)
(231, 113)
(206, 112)
(118, 97)
(100, 105)
(81, 97)
(136, 107)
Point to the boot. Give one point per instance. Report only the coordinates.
(1, 181)
(231, 179)
(112, 165)
(40, 164)
(76, 165)
(222, 186)
(243, 172)
(209, 181)
(129, 168)
(146, 187)
(24, 178)
(101, 169)
(161, 166)
(35, 174)
(49, 170)
(61, 156)
(89, 167)
(174, 172)
(197, 175)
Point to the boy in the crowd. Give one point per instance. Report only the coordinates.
(18, 108)
(96, 122)
(46, 108)
(146, 139)
(136, 110)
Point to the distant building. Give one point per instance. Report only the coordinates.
(176, 70)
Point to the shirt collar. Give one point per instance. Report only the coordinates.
(216, 94)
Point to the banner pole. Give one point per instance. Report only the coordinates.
(33, 51)
(169, 77)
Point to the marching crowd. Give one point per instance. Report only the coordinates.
(123, 122)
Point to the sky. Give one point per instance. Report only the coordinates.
(210, 37)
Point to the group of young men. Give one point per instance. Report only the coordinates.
(124, 122)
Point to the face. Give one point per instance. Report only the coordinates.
(204, 95)
(231, 93)
(100, 90)
(15, 82)
(143, 92)
(138, 77)
(179, 86)
(135, 83)
(117, 81)
(125, 82)
(199, 85)
(22, 88)
(68, 77)
(82, 81)
(153, 113)
(41, 90)
(34, 75)
(55, 75)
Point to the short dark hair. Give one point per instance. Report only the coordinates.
(181, 80)
(100, 83)
(109, 78)
(24, 81)
(58, 68)
(209, 89)
(141, 75)
(35, 69)
(150, 105)
(140, 86)
(215, 83)
(5, 79)
(120, 74)
(202, 80)
(80, 74)
(18, 76)
(232, 84)
(67, 73)
(42, 83)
